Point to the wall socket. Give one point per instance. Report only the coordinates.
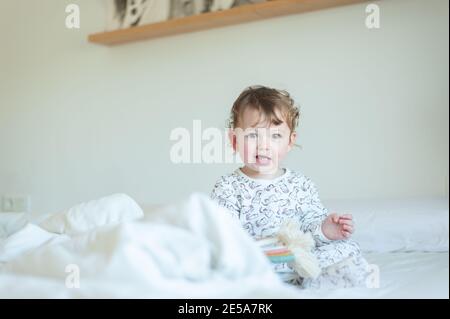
(16, 204)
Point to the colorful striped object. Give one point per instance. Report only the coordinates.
(275, 250)
(282, 259)
(280, 249)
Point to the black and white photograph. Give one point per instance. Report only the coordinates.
(130, 13)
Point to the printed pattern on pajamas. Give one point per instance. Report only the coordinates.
(261, 206)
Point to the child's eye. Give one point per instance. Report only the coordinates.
(251, 135)
(276, 135)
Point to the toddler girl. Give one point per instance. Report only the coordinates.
(262, 194)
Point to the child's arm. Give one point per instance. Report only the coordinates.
(314, 213)
(224, 194)
(324, 227)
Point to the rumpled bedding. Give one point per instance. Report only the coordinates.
(192, 249)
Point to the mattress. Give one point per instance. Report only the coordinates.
(192, 249)
(403, 275)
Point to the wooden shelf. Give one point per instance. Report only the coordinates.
(242, 14)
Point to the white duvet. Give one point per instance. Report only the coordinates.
(109, 249)
(189, 250)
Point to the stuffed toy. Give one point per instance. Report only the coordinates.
(291, 245)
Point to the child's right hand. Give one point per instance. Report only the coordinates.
(338, 227)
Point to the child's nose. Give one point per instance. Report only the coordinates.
(263, 142)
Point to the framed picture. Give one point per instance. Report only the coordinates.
(124, 14)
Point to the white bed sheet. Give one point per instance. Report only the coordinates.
(412, 274)
(403, 275)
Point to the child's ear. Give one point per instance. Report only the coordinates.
(292, 140)
(232, 137)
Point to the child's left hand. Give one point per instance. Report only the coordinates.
(337, 227)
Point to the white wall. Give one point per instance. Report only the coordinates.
(78, 120)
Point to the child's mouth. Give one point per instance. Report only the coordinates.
(263, 160)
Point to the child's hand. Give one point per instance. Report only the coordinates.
(337, 227)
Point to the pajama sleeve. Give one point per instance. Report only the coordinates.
(225, 195)
(314, 213)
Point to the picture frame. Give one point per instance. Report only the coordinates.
(124, 14)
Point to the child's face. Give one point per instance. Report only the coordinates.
(261, 146)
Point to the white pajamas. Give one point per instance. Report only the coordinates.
(262, 206)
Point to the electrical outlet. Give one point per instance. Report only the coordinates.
(17, 204)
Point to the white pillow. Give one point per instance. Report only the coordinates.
(397, 225)
(11, 222)
(106, 211)
(28, 238)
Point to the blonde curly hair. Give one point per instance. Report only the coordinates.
(269, 102)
